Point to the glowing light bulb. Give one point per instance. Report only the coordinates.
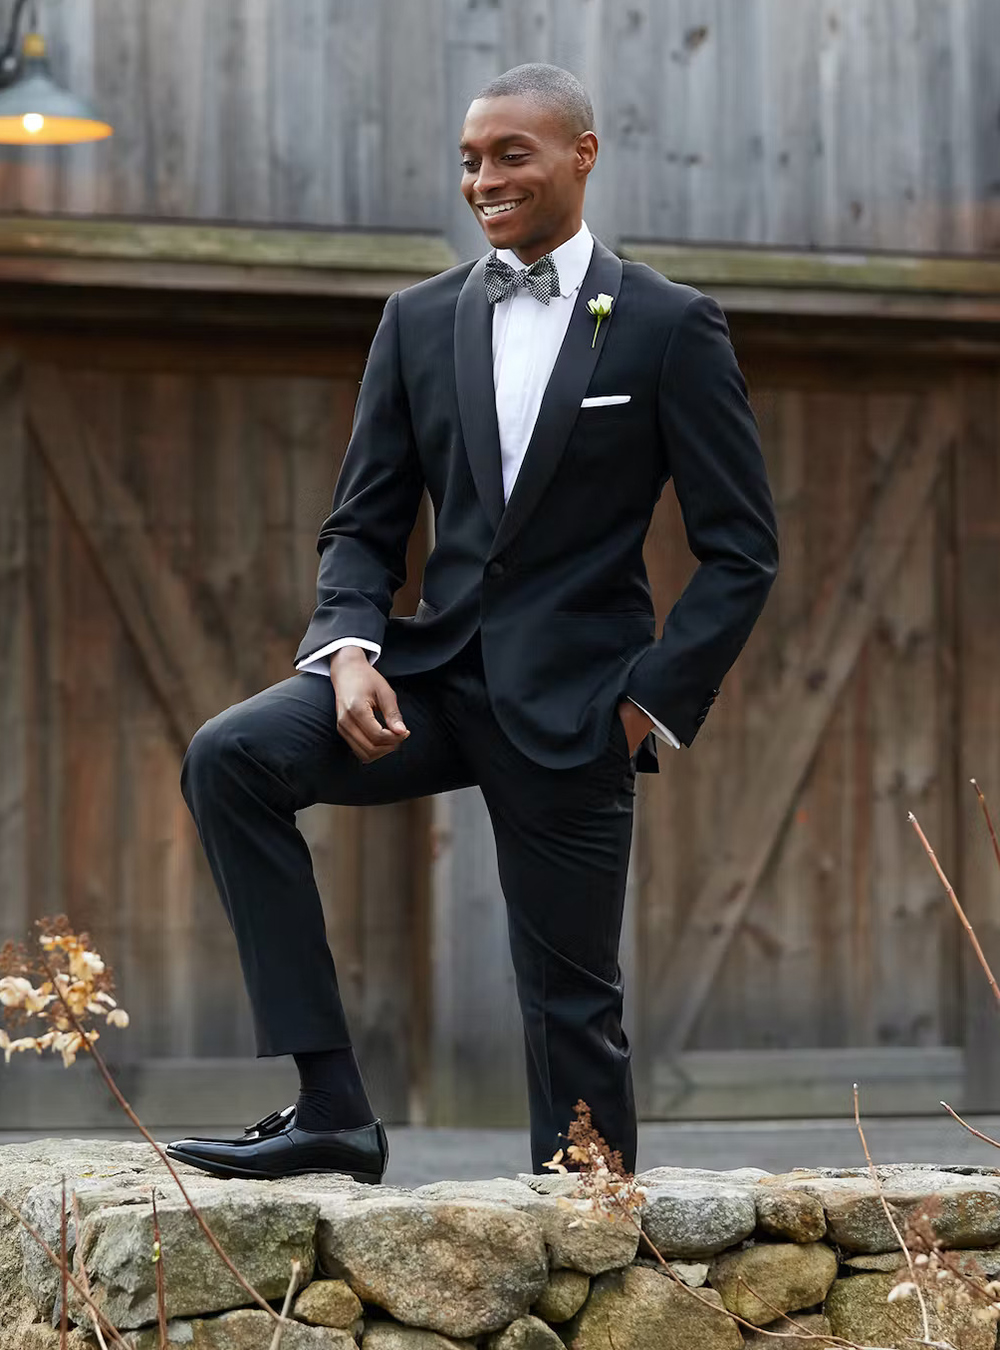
(32, 122)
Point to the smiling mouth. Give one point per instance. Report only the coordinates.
(491, 210)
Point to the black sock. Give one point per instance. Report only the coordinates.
(331, 1093)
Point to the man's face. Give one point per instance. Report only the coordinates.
(519, 156)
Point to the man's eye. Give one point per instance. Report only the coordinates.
(468, 164)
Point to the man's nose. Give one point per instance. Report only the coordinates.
(488, 178)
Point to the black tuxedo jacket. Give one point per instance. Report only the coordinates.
(555, 578)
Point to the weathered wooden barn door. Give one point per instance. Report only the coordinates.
(159, 564)
(791, 937)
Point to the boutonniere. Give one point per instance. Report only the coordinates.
(600, 307)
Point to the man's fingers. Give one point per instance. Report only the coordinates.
(366, 735)
(390, 711)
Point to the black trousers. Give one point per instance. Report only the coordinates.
(562, 839)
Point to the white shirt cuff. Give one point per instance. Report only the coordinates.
(319, 662)
(659, 730)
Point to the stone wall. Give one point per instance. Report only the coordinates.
(495, 1265)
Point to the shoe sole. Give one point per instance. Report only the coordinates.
(369, 1178)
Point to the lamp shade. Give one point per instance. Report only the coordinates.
(35, 111)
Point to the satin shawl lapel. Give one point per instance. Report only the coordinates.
(560, 404)
(477, 404)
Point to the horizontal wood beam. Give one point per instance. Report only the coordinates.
(189, 255)
(845, 284)
(891, 272)
(810, 1082)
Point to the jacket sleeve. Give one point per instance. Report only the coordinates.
(362, 543)
(713, 452)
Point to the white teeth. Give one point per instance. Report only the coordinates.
(505, 206)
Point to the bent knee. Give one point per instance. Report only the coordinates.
(212, 750)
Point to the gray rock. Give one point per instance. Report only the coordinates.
(41, 1207)
(692, 1273)
(563, 1296)
(666, 1176)
(977, 1262)
(549, 1183)
(391, 1336)
(328, 1303)
(639, 1309)
(761, 1282)
(858, 1311)
(794, 1216)
(40, 1336)
(244, 1329)
(527, 1333)
(44, 1161)
(458, 1267)
(811, 1324)
(577, 1239)
(882, 1261)
(964, 1210)
(694, 1219)
(260, 1230)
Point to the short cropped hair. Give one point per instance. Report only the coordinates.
(550, 86)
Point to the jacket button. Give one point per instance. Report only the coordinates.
(495, 569)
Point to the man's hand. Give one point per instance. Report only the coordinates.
(635, 722)
(359, 690)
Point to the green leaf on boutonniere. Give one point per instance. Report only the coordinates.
(600, 307)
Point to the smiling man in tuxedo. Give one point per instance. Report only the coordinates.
(532, 666)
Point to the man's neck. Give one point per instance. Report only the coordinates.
(532, 252)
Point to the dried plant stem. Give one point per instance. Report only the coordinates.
(161, 1294)
(84, 1277)
(112, 1331)
(966, 1126)
(293, 1284)
(888, 1214)
(63, 1270)
(989, 822)
(113, 1086)
(958, 908)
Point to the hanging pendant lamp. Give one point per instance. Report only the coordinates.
(34, 110)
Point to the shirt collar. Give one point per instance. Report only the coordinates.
(572, 258)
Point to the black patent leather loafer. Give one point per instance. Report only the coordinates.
(275, 1147)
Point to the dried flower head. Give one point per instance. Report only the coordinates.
(67, 973)
(953, 1283)
(604, 1186)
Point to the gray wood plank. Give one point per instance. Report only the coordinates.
(15, 686)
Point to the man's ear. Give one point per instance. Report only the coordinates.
(586, 151)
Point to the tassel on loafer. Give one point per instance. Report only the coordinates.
(274, 1146)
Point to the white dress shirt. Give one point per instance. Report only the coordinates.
(527, 336)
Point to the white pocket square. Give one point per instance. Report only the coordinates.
(602, 400)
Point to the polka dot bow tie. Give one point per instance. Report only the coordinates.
(503, 281)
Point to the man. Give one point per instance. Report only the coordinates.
(544, 428)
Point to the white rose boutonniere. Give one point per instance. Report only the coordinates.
(600, 307)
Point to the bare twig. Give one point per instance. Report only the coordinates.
(989, 822)
(161, 1295)
(292, 1286)
(84, 1277)
(113, 1086)
(63, 1271)
(888, 1214)
(958, 908)
(112, 1331)
(966, 1126)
